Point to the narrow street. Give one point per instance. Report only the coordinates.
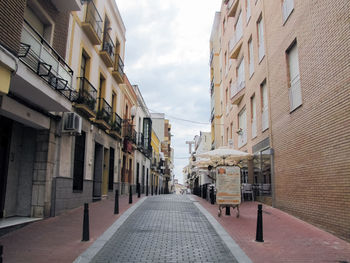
(165, 229)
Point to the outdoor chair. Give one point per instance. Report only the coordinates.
(247, 189)
(265, 189)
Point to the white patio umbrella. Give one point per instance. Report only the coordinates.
(225, 155)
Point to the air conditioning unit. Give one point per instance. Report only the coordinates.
(72, 122)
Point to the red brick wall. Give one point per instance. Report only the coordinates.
(11, 19)
(312, 144)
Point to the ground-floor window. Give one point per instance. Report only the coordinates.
(262, 172)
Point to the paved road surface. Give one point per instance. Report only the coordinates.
(167, 228)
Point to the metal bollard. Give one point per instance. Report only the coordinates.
(116, 202)
(138, 190)
(212, 195)
(147, 190)
(1, 251)
(152, 189)
(259, 225)
(86, 234)
(228, 210)
(130, 194)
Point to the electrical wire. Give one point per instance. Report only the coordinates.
(180, 119)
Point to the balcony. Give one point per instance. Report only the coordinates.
(116, 126)
(92, 25)
(237, 92)
(129, 132)
(86, 99)
(235, 44)
(67, 5)
(50, 85)
(118, 72)
(107, 51)
(104, 114)
(212, 87)
(232, 7)
(140, 141)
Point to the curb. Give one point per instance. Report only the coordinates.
(236, 251)
(91, 252)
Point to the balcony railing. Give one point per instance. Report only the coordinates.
(94, 19)
(265, 119)
(120, 65)
(295, 97)
(104, 111)
(116, 124)
(87, 94)
(128, 131)
(109, 48)
(140, 140)
(40, 57)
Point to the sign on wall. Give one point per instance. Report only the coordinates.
(228, 185)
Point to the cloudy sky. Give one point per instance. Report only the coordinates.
(167, 55)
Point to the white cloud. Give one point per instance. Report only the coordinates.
(167, 54)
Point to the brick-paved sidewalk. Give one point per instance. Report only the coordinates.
(287, 239)
(58, 239)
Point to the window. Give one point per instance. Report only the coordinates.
(262, 171)
(240, 76)
(253, 115)
(264, 107)
(261, 38)
(83, 65)
(242, 128)
(79, 157)
(287, 8)
(251, 57)
(231, 130)
(248, 10)
(227, 135)
(239, 27)
(295, 97)
(114, 102)
(226, 63)
(40, 21)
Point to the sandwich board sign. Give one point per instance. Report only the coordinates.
(228, 185)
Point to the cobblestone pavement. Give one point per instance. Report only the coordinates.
(165, 229)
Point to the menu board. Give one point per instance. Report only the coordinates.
(228, 185)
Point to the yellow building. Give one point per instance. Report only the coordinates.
(156, 179)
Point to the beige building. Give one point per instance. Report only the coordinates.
(285, 81)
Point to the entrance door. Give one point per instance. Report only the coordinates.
(5, 133)
(105, 172)
(98, 169)
(111, 169)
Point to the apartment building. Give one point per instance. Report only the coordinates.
(286, 80)
(36, 91)
(156, 175)
(143, 152)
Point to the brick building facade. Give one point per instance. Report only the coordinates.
(285, 96)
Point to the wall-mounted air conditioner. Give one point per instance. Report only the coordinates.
(72, 123)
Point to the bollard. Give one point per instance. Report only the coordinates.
(259, 225)
(86, 234)
(156, 190)
(138, 190)
(130, 194)
(1, 251)
(116, 202)
(212, 195)
(152, 189)
(228, 210)
(147, 190)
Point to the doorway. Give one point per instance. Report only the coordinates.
(98, 169)
(5, 138)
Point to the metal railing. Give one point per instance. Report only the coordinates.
(295, 93)
(116, 124)
(87, 94)
(120, 66)
(128, 131)
(40, 57)
(236, 87)
(104, 111)
(108, 46)
(140, 142)
(93, 18)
